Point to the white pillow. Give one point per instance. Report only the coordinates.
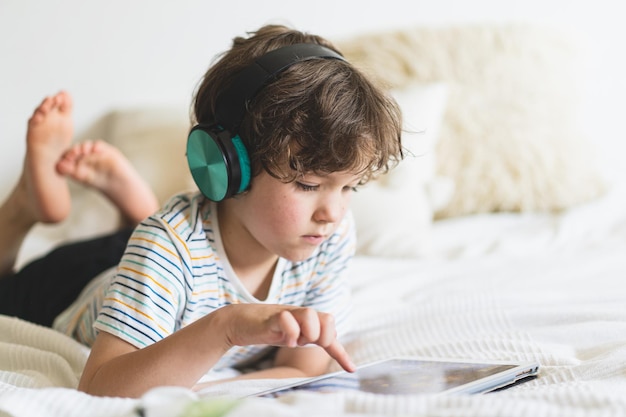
(394, 213)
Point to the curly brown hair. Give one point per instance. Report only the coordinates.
(319, 116)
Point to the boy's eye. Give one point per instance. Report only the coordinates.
(306, 187)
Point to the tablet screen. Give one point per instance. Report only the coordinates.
(405, 376)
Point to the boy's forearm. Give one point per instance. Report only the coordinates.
(178, 360)
(116, 368)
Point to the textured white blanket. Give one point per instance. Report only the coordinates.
(564, 308)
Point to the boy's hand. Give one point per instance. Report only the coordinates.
(280, 325)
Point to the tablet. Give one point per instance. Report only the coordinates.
(410, 376)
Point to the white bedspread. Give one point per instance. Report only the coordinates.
(549, 288)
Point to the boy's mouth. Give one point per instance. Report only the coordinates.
(314, 239)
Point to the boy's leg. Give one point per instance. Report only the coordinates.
(41, 194)
(47, 286)
(44, 288)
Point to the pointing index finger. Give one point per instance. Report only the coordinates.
(338, 353)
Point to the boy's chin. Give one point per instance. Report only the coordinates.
(301, 255)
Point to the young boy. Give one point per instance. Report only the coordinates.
(204, 284)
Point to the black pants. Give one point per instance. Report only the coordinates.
(45, 287)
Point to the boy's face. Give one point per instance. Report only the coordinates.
(288, 219)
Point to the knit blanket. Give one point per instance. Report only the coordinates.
(559, 303)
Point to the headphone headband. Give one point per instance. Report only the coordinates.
(216, 155)
(232, 103)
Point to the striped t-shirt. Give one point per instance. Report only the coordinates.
(175, 271)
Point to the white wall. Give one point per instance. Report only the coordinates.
(118, 53)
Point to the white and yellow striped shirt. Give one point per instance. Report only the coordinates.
(175, 271)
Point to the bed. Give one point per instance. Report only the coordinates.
(499, 238)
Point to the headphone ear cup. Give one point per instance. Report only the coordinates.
(244, 164)
(208, 163)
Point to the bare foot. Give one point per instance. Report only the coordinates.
(104, 168)
(50, 131)
(41, 194)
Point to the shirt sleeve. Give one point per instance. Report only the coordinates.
(143, 303)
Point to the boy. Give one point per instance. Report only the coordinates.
(209, 282)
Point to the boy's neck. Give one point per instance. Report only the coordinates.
(253, 264)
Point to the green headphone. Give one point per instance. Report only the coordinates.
(216, 155)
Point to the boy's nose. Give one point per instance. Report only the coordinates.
(330, 210)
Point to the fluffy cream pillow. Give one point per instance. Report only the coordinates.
(394, 213)
(510, 138)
